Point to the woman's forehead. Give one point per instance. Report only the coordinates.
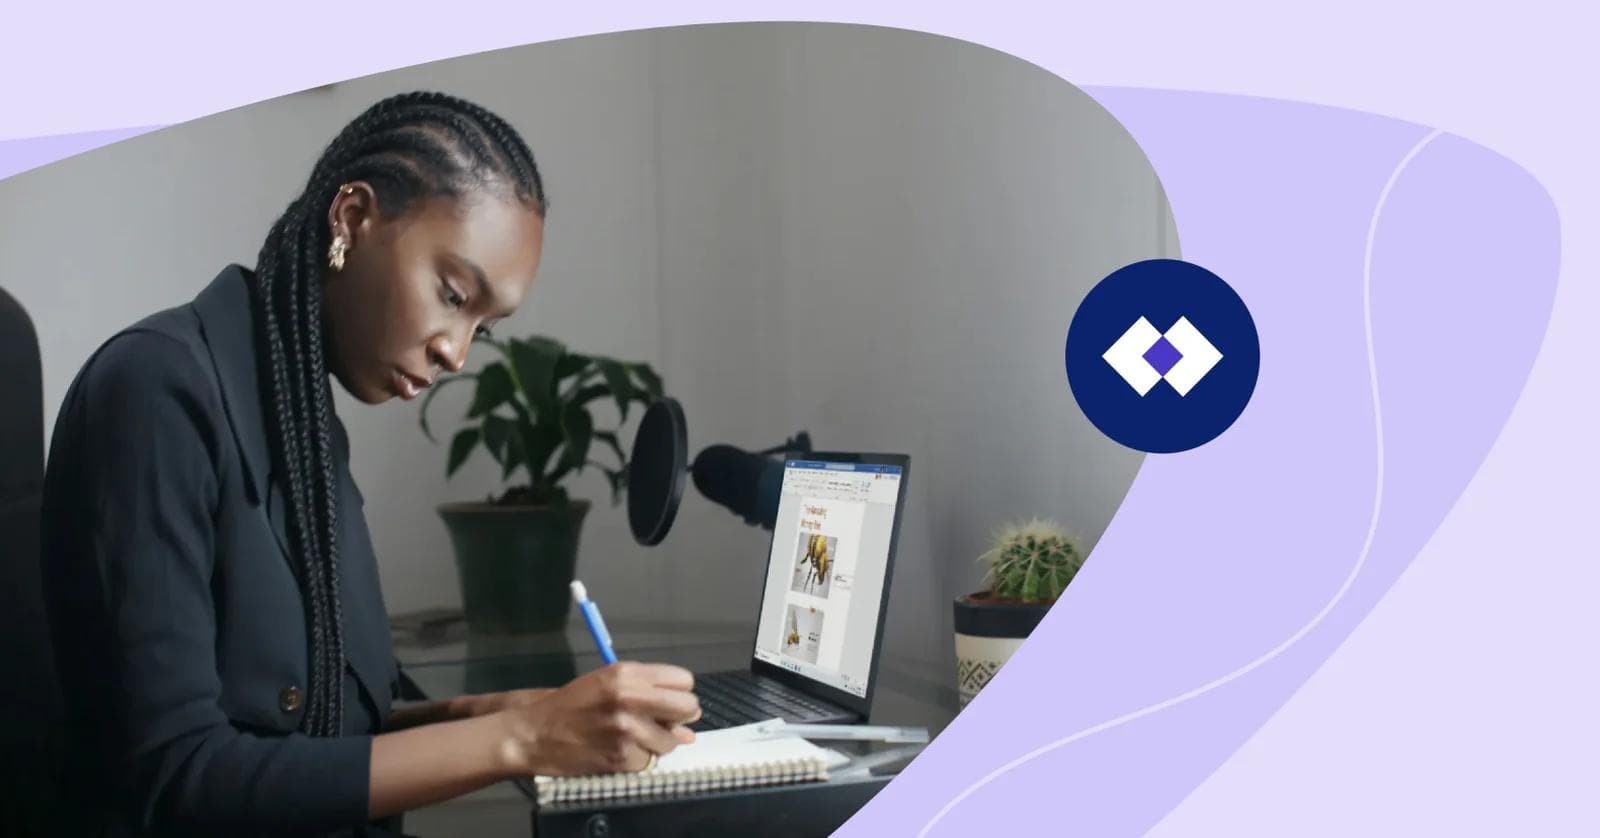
(502, 237)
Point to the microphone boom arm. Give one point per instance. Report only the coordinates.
(799, 443)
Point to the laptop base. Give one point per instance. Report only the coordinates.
(735, 697)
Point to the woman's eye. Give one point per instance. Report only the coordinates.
(484, 333)
(455, 300)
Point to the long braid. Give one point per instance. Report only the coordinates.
(407, 147)
(329, 647)
(322, 480)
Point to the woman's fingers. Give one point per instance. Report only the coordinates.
(649, 734)
(645, 709)
(642, 760)
(660, 674)
(624, 757)
(666, 705)
(635, 690)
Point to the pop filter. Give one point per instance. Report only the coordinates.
(747, 483)
(657, 470)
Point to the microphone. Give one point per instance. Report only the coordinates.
(748, 484)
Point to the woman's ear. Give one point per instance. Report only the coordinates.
(352, 211)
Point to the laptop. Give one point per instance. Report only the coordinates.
(824, 597)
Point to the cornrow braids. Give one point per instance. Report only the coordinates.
(408, 148)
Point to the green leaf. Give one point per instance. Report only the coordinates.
(422, 409)
(617, 379)
(571, 364)
(496, 431)
(494, 389)
(534, 370)
(610, 438)
(542, 441)
(647, 377)
(577, 429)
(619, 481)
(589, 373)
(460, 448)
(516, 454)
(589, 394)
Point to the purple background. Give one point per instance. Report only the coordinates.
(1232, 572)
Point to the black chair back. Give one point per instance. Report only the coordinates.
(30, 708)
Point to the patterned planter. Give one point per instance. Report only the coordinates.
(988, 632)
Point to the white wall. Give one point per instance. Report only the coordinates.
(944, 208)
(875, 235)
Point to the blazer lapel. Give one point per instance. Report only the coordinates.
(227, 322)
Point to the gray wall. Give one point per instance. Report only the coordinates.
(875, 235)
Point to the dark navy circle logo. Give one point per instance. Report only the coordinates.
(1162, 356)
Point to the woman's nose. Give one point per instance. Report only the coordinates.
(447, 355)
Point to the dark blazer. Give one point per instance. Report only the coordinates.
(175, 609)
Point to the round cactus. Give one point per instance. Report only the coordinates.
(1031, 562)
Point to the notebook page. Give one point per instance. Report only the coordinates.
(716, 753)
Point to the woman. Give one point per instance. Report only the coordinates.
(219, 626)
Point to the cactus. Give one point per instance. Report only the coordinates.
(1031, 562)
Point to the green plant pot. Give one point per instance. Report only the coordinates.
(515, 563)
(988, 632)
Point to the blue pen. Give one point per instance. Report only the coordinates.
(597, 626)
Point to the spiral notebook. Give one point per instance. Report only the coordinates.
(718, 760)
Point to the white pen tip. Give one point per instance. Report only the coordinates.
(579, 592)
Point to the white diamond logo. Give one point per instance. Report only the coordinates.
(1126, 356)
(1199, 356)
(1183, 354)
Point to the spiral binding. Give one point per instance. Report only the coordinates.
(675, 782)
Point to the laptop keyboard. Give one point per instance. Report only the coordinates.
(728, 699)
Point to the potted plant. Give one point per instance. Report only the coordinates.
(1029, 565)
(516, 553)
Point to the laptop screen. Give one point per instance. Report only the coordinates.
(825, 575)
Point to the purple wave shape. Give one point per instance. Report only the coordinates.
(1401, 281)
(20, 155)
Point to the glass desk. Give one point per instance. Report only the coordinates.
(440, 658)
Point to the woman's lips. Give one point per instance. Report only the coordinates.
(408, 386)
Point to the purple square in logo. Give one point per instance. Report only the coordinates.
(1162, 356)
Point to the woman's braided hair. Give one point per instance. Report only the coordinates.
(407, 147)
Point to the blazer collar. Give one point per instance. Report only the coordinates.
(227, 322)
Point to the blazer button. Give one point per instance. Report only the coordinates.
(289, 699)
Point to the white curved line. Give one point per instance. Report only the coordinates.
(1361, 558)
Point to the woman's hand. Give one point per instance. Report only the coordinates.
(607, 721)
(610, 720)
